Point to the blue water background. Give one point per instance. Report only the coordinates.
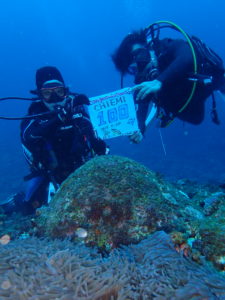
(78, 37)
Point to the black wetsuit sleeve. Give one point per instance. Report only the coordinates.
(39, 129)
(179, 60)
(84, 124)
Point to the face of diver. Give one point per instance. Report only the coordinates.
(140, 58)
(53, 93)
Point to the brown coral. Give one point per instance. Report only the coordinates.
(115, 199)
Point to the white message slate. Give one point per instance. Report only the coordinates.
(113, 114)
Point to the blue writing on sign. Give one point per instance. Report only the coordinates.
(123, 112)
(113, 114)
(101, 118)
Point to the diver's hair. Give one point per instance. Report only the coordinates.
(122, 56)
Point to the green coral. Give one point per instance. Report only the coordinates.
(212, 235)
(116, 199)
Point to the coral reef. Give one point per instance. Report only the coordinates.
(15, 225)
(37, 269)
(2, 216)
(115, 200)
(212, 238)
(212, 203)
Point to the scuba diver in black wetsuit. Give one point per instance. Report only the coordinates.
(176, 75)
(56, 143)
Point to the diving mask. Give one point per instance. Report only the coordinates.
(140, 58)
(54, 94)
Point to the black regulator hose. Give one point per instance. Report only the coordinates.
(38, 116)
(19, 98)
(25, 117)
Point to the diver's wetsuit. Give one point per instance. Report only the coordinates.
(176, 66)
(55, 148)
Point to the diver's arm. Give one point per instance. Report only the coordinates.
(78, 104)
(38, 129)
(180, 55)
(80, 107)
(84, 126)
(97, 144)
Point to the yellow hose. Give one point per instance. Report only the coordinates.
(193, 54)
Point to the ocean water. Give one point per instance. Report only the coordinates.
(78, 37)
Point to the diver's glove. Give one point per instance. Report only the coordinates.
(100, 147)
(82, 99)
(146, 88)
(136, 137)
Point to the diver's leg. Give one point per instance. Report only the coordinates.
(36, 194)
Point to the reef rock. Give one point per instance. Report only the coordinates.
(211, 242)
(111, 200)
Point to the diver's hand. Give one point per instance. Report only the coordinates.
(147, 87)
(136, 137)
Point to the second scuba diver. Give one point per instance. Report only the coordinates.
(177, 75)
